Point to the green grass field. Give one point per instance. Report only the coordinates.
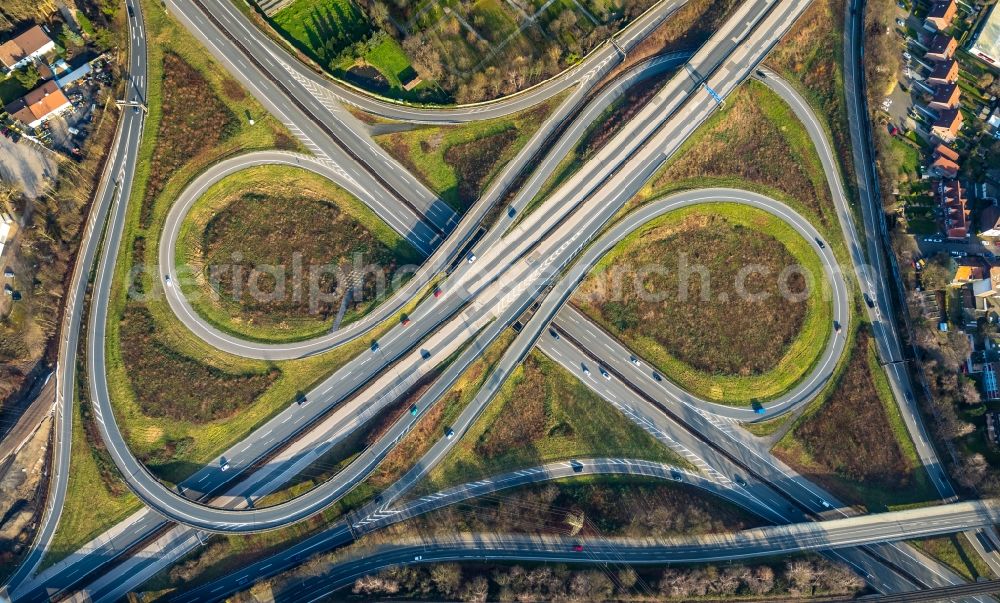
(542, 414)
(323, 29)
(698, 359)
(338, 35)
(459, 162)
(267, 214)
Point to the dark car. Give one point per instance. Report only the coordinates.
(739, 480)
(553, 333)
(869, 301)
(375, 347)
(576, 465)
(657, 377)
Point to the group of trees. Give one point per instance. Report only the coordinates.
(552, 46)
(795, 578)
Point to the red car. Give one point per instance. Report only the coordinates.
(437, 291)
(405, 320)
(578, 548)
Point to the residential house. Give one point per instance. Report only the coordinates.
(40, 105)
(946, 96)
(940, 16)
(24, 48)
(944, 72)
(989, 224)
(947, 126)
(967, 274)
(987, 292)
(954, 208)
(941, 48)
(944, 162)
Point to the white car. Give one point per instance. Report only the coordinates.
(471, 258)
(604, 373)
(225, 466)
(907, 55)
(166, 279)
(586, 371)
(635, 361)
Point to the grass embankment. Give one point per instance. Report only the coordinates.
(541, 414)
(281, 216)
(742, 338)
(955, 551)
(755, 143)
(459, 162)
(811, 56)
(852, 439)
(229, 552)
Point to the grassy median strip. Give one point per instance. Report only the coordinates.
(309, 231)
(541, 414)
(699, 293)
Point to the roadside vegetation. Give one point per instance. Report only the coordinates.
(542, 413)
(459, 162)
(811, 56)
(955, 551)
(793, 579)
(284, 217)
(742, 339)
(853, 441)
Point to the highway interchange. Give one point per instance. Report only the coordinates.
(539, 260)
